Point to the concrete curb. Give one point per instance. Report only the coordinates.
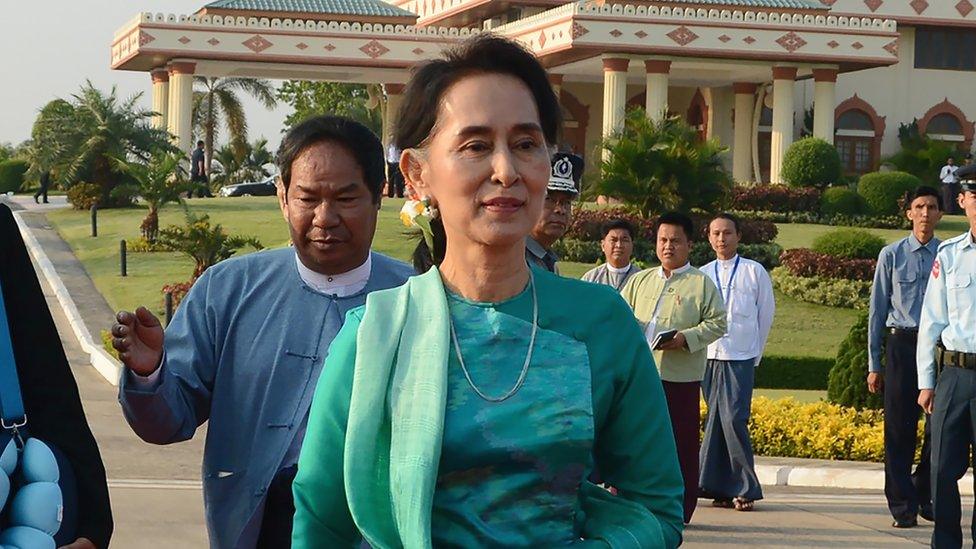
(835, 477)
(104, 363)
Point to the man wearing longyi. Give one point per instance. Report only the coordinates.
(246, 346)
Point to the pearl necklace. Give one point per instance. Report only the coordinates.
(528, 355)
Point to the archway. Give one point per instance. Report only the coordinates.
(576, 119)
(947, 122)
(857, 135)
(697, 115)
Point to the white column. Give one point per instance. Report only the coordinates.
(160, 97)
(745, 103)
(784, 79)
(614, 95)
(824, 103)
(658, 71)
(394, 98)
(180, 109)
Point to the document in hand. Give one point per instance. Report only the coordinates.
(662, 338)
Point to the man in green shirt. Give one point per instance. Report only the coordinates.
(677, 296)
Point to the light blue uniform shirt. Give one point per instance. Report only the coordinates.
(949, 309)
(899, 286)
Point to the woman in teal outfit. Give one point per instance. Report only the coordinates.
(468, 407)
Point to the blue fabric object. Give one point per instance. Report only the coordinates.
(244, 352)
(11, 403)
(23, 537)
(896, 295)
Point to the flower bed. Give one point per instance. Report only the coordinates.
(832, 292)
(775, 198)
(802, 262)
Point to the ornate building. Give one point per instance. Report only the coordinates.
(754, 74)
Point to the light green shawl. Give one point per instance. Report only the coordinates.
(396, 426)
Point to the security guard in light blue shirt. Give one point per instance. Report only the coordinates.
(949, 312)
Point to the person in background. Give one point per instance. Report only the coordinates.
(900, 279)
(617, 244)
(246, 345)
(562, 190)
(45, 183)
(728, 473)
(949, 313)
(468, 407)
(51, 401)
(677, 296)
(394, 179)
(950, 185)
(199, 180)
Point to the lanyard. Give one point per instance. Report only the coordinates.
(728, 289)
(11, 405)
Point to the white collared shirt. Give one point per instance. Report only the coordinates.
(621, 270)
(650, 332)
(749, 311)
(948, 174)
(340, 285)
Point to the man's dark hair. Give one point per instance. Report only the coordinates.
(356, 138)
(199, 143)
(679, 219)
(617, 224)
(924, 190)
(484, 54)
(729, 217)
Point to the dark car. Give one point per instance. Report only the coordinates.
(259, 188)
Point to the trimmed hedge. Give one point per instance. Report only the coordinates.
(841, 201)
(883, 191)
(849, 243)
(582, 251)
(847, 382)
(867, 221)
(775, 198)
(12, 175)
(811, 162)
(832, 292)
(586, 225)
(804, 262)
(793, 372)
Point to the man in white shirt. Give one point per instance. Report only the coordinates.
(950, 184)
(394, 178)
(618, 247)
(727, 467)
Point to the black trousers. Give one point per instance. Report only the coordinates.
(394, 180)
(953, 433)
(279, 511)
(949, 193)
(905, 491)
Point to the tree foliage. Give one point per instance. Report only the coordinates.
(921, 155)
(309, 99)
(847, 381)
(811, 162)
(240, 161)
(158, 182)
(77, 139)
(216, 101)
(204, 243)
(659, 166)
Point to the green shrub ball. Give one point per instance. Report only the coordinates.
(882, 191)
(811, 162)
(849, 243)
(12, 175)
(847, 381)
(841, 201)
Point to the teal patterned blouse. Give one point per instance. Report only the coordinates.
(510, 472)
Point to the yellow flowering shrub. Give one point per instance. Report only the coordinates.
(820, 430)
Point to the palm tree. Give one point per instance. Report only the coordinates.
(158, 182)
(241, 161)
(217, 100)
(77, 139)
(202, 242)
(659, 166)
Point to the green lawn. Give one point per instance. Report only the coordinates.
(802, 235)
(800, 329)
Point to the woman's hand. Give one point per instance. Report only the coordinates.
(80, 543)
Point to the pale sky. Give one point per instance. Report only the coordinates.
(49, 47)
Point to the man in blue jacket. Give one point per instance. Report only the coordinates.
(247, 344)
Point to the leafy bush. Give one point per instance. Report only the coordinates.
(847, 383)
(179, 291)
(83, 196)
(582, 251)
(202, 242)
(921, 155)
(656, 166)
(849, 243)
(811, 162)
(775, 198)
(832, 292)
(841, 201)
(872, 222)
(766, 254)
(820, 430)
(586, 225)
(793, 372)
(883, 191)
(12, 175)
(804, 262)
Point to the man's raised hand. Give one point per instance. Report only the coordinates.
(138, 337)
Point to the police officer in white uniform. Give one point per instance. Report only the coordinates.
(949, 313)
